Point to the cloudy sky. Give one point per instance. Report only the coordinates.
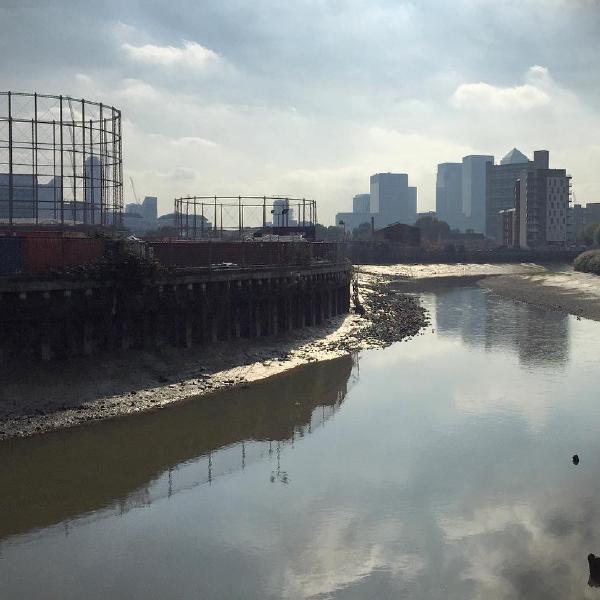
(308, 98)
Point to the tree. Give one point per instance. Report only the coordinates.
(166, 231)
(329, 234)
(362, 232)
(432, 229)
(589, 233)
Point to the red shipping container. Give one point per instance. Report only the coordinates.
(41, 255)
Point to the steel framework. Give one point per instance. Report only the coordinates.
(60, 161)
(230, 217)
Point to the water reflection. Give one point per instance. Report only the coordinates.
(538, 336)
(133, 461)
(447, 473)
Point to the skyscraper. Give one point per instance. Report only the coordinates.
(392, 200)
(361, 203)
(92, 211)
(448, 195)
(149, 208)
(500, 190)
(474, 191)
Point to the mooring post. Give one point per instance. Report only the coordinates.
(257, 320)
(274, 317)
(88, 339)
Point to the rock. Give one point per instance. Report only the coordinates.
(575, 459)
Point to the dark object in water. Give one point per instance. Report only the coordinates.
(594, 564)
(575, 459)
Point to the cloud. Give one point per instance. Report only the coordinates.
(484, 96)
(191, 54)
(370, 91)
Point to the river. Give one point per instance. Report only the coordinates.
(439, 467)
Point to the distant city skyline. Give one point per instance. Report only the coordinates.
(379, 87)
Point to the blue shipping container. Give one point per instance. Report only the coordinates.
(11, 256)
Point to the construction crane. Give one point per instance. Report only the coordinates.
(134, 192)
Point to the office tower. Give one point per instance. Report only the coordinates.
(474, 191)
(149, 208)
(392, 200)
(500, 190)
(361, 203)
(448, 195)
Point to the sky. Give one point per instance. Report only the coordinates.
(308, 98)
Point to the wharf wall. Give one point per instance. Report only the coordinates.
(46, 318)
(377, 253)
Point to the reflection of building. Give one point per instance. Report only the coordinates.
(538, 336)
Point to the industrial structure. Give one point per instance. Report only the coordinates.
(60, 162)
(239, 217)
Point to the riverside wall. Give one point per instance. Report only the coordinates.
(378, 253)
(43, 319)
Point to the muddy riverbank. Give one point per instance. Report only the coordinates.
(569, 292)
(38, 398)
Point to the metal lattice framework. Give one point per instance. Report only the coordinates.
(230, 217)
(60, 161)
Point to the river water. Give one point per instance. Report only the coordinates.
(437, 468)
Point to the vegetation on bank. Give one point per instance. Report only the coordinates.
(588, 262)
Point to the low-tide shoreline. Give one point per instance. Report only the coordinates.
(573, 293)
(39, 398)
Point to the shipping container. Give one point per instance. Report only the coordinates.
(44, 254)
(203, 254)
(11, 256)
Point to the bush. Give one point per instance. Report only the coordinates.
(588, 262)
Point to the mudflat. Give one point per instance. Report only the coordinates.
(570, 292)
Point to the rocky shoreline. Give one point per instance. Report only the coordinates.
(38, 398)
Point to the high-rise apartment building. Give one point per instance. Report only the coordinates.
(542, 203)
(474, 191)
(448, 195)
